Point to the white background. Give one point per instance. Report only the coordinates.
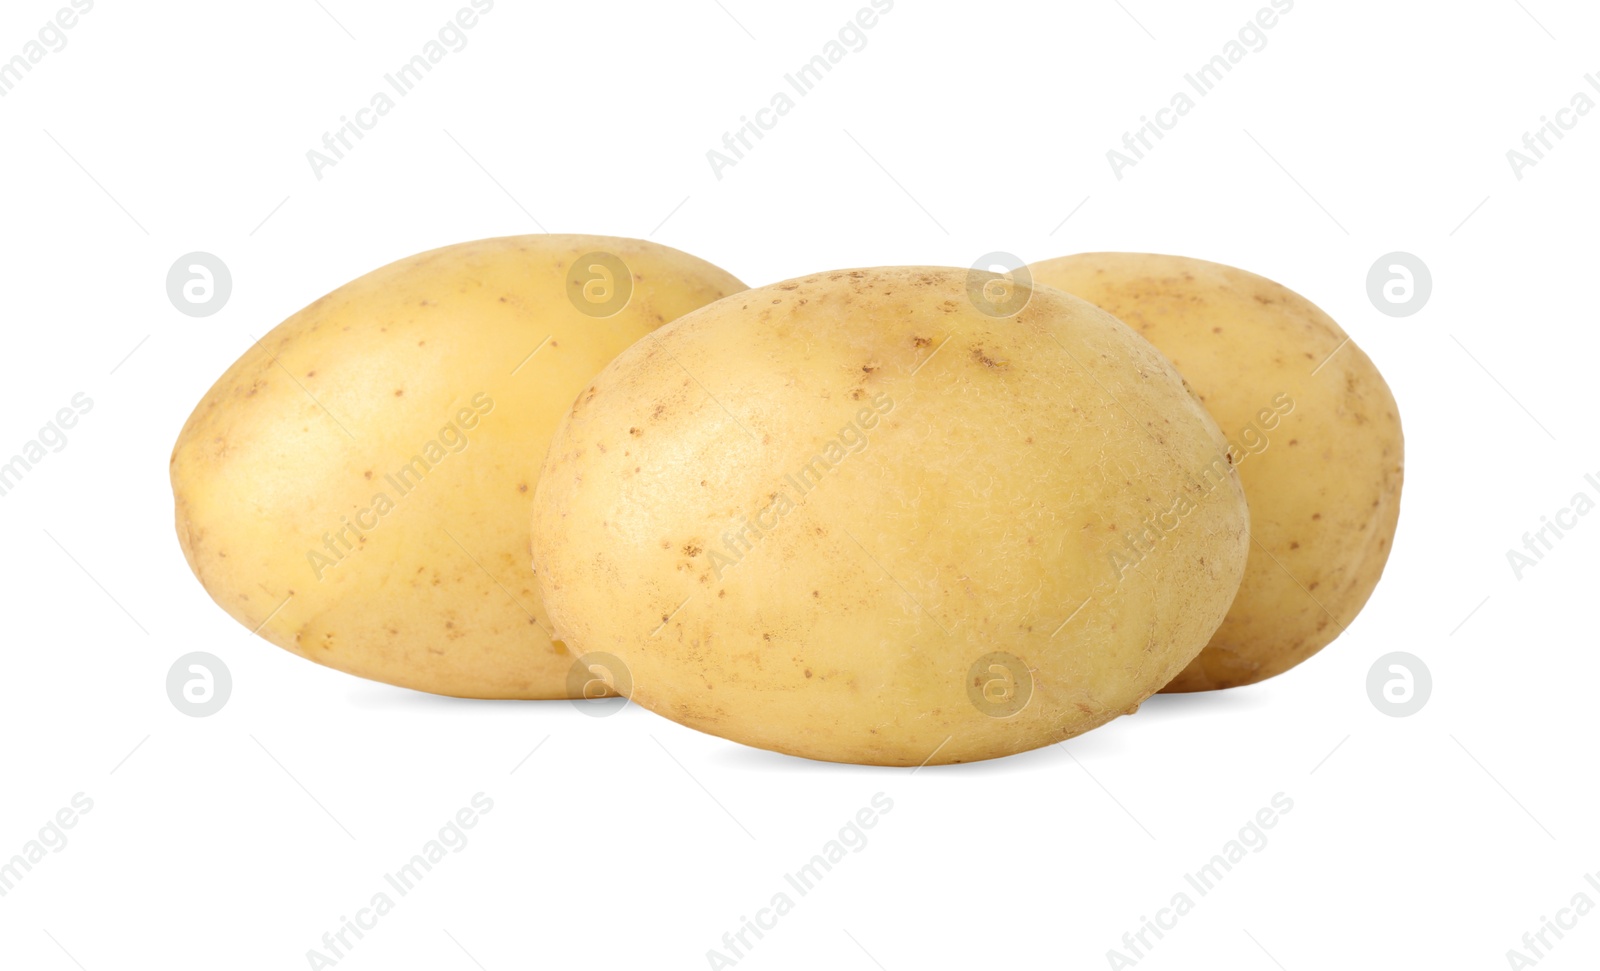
(238, 840)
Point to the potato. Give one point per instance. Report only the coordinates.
(865, 517)
(356, 487)
(1313, 429)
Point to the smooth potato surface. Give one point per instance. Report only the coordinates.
(854, 517)
(356, 487)
(1315, 434)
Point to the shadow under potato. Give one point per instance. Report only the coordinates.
(1104, 742)
(375, 696)
(1189, 704)
(1100, 743)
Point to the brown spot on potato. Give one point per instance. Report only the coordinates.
(993, 364)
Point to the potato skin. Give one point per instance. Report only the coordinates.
(1315, 432)
(801, 515)
(300, 505)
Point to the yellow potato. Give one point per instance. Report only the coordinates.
(1315, 434)
(861, 517)
(356, 487)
